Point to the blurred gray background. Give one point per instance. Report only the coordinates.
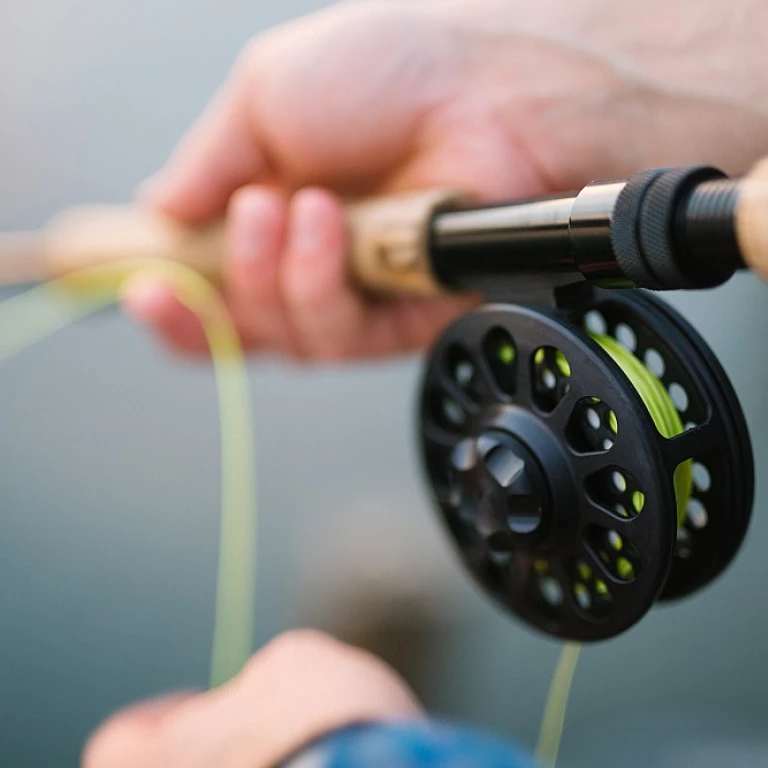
(109, 465)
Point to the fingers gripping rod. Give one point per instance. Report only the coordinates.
(661, 229)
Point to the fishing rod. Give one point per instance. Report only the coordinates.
(585, 448)
(661, 229)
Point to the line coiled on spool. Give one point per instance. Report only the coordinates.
(661, 409)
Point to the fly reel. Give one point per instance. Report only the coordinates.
(588, 460)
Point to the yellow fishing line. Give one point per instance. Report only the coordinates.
(31, 316)
(552, 725)
(662, 410)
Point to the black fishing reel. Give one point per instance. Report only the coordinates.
(588, 459)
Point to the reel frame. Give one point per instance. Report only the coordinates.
(551, 476)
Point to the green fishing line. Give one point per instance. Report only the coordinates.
(669, 424)
(662, 410)
(31, 316)
(555, 710)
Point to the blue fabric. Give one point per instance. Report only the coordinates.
(411, 745)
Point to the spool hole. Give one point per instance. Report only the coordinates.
(582, 594)
(684, 545)
(702, 480)
(697, 515)
(463, 372)
(626, 337)
(453, 413)
(591, 592)
(447, 411)
(594, 322)
(617, 492)
(679, 397)
(655, 363)
(500, 352)
(551, 377)
(551, 591)
(461, 366)
(593, 426)
(615, 551)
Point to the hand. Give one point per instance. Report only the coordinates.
(502, 98)
(299, 688)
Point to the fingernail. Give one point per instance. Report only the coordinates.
(249, 222)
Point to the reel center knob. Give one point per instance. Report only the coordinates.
(502, 488)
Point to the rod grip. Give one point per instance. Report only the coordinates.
(91, 235)
(389, 241)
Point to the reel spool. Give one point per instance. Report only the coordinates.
(588, 460)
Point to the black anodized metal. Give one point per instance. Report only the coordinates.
(511, 579)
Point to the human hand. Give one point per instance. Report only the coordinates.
(297, 689)
(502, 98)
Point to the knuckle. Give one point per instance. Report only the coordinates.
(250, 53)
(239, 198)
(251, 58)
(300, 642)
(110, 745)
(298, 647)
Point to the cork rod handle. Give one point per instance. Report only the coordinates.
(389, 241)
